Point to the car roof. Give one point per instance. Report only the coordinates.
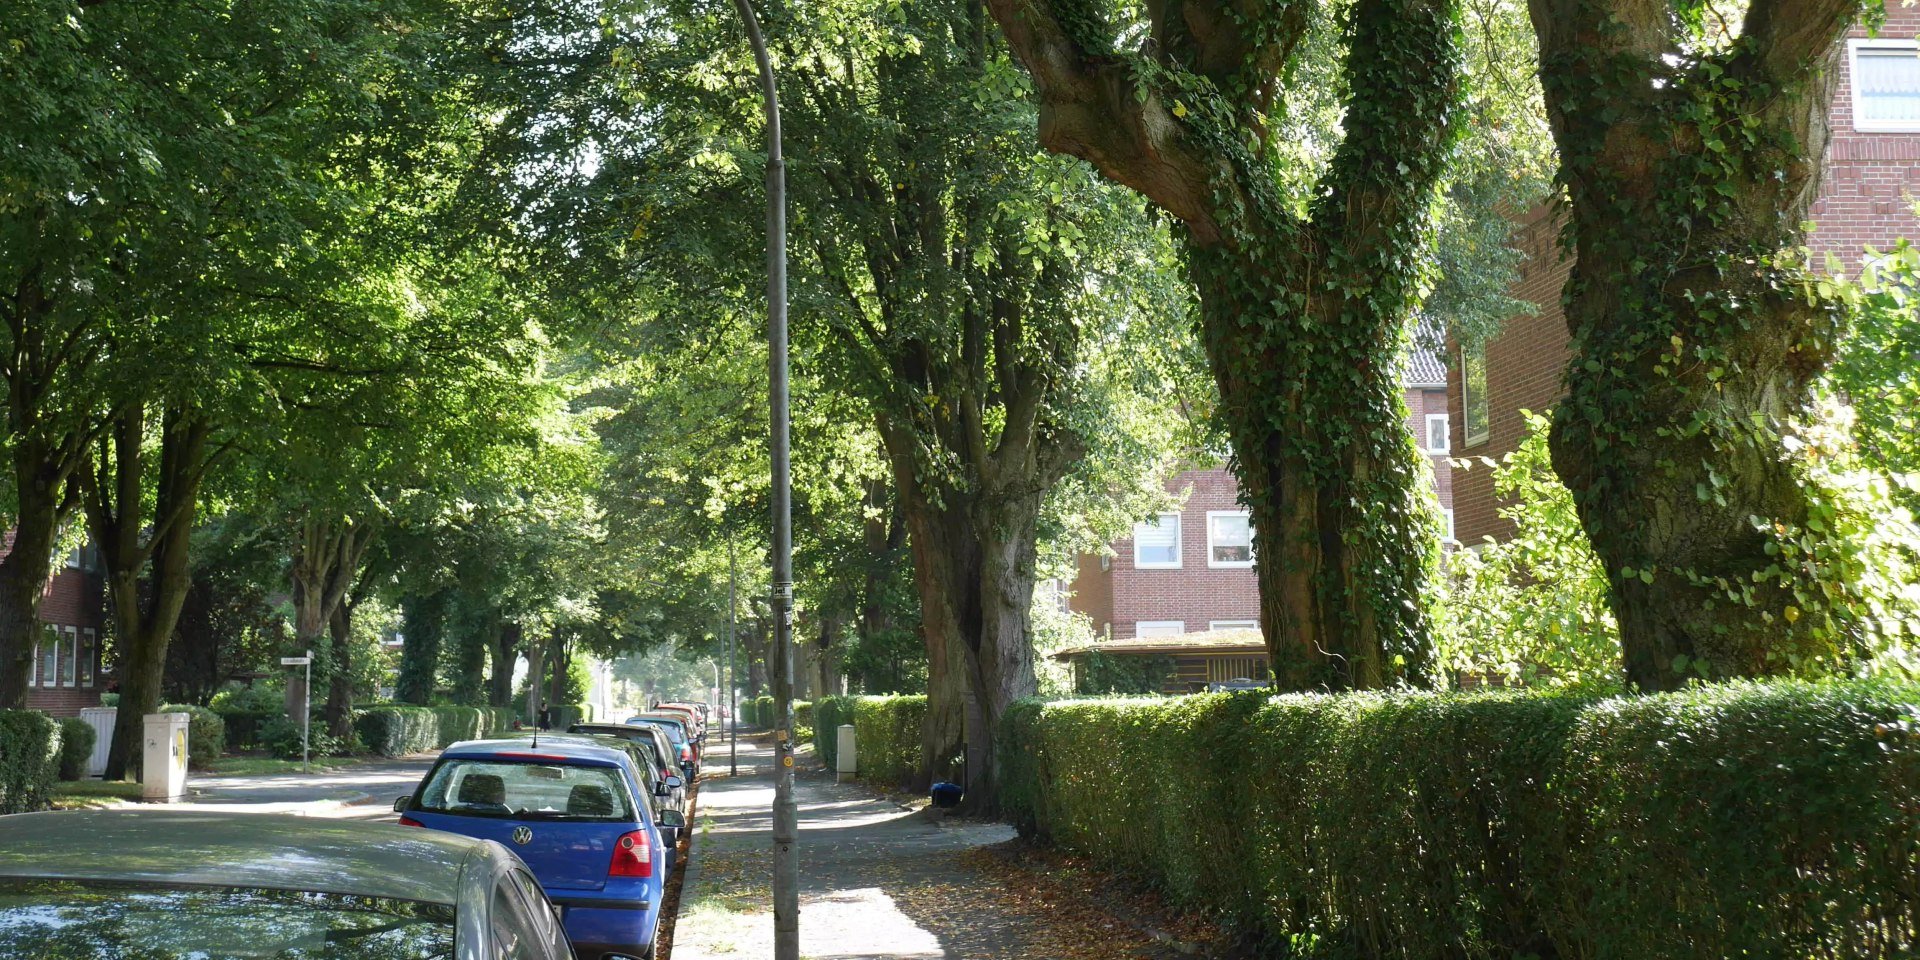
(556, 746)
(248, 850)
(650, 717)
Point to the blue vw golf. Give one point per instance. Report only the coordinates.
(575, 813)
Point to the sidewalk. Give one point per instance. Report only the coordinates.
(358, 791)
(875, 881)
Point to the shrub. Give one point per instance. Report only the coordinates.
(828, 714)
(77, 739)
(802, 721)
(29, 760)
(886, 731)
(454, 724)
(1740, 820)
(206, 733)
(280, 736)
(567, 714)
(394, 730)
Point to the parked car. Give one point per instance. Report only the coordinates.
(173, 885)
(696, 723)
(676, 729)
(658, 749)
(574, 811)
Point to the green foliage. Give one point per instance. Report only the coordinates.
(567, 714)
(1104, 674)
(1533, 608)
(30, 757)
(454, 724)
(1738, 820)
(1875, 369)
(280, 736)
(76, 746)
(394, 730)
(206, 734)
(803, 717)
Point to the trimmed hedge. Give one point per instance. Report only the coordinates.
(29, 760)
(396, 730)
(802, 721)
(244, 728)
(206, 734)
(76, 746)
(1750, 820)
(886, 732)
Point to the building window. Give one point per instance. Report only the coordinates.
(1156, 545)
(50, 657)
(89, 653)
(1229, 539)
(1439, 434)
(1886, 85)
(1228, 669)
(1233, 624)
(69, 670)
(1446, 525)
(1473, 393)
(1159, 628)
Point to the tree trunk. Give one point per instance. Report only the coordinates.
(1302, 313)
(557, 689)
(1694, 354)
(424, 622)
(144, 620)
(471, 643)
(536, 668)
(326, 559)
(1327, 468)
(339, 709)
(505, 654)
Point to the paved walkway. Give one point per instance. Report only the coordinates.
(880, 881)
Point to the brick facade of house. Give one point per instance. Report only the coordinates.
(67, 674)
(1866, 194)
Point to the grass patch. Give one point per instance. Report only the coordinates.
(94, 794)
(266, 766)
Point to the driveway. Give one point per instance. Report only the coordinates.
(358, 791)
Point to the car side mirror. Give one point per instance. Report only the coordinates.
(673, 819)
(674, 783)
(400, 805)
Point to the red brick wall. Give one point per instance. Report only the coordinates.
(1862, 201)
(1195, 593)
(74, 598)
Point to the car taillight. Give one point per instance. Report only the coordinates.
(632, 856)
(410, 822)
(686, 753)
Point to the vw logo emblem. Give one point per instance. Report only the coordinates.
(523, 835)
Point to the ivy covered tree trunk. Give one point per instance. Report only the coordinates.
(23, 581)
(1303, 299)
(505, 654)
(423, 622)
(1695, 347)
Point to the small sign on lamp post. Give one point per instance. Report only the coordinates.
(306, 715)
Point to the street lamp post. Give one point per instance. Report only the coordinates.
(786, 858)
(733, 640)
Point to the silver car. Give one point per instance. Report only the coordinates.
(165, 884)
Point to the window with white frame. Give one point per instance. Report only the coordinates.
(69, 668)
(1886, 85)
(50, 657)
(1439, 434)
(1446, 525)
(1156, 545)
(89, 653)
(1233, 624)
(1229, 539)
(1159, 628)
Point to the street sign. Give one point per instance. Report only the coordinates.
(295, 661)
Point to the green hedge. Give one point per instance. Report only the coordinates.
(802, 721)
(206, 734)
(567, 714)
(396, 730)
(29, 760)
(1741, 820)
(886, 732)
(244, 728)
(76, 746)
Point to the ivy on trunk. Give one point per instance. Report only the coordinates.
(1689, 165)
(1304, 299)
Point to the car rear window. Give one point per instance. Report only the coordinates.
(96, 921)
(527, 791)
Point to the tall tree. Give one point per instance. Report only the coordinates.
(1306, 274)
(1690, 152)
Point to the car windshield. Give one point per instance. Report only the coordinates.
(527, 791)
(674, 731)
(64, 920)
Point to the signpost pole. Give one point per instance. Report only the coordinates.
(305, 663)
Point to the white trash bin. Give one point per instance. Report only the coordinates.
(163, 767)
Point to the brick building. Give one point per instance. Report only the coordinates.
(1191, 569)
(1871, 177)
(67, 672)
